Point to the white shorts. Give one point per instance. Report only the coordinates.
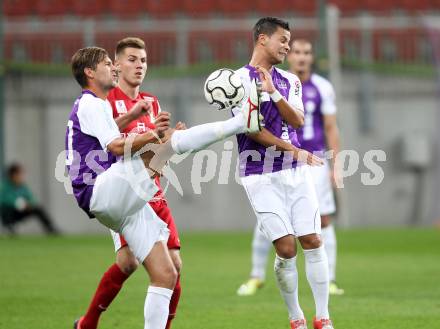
(119, 202)
(284, 202)
(141, 233)
(324, 189)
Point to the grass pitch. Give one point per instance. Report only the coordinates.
(391, 279)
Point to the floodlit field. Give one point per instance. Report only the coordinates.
(391, 279)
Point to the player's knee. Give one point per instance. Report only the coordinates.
(286, 250)
(126, 261)
(311, 241)
(128, 266)
(177, 261)
(166, 277)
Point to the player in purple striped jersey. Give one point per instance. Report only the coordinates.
(113, 176)
(279, 187)
(319, 133)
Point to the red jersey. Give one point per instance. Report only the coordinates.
(121, 104)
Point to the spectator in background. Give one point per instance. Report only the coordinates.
(17, 202)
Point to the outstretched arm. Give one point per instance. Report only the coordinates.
(117, 146)
(266, 138)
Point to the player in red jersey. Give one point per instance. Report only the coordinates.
(129, 106)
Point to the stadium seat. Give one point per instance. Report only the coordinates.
(18, 7)
(304, 7)
(415, 6)
(52, 8)
(88, 8)
(234, 7)
(380, 6)
(162, 8)
(126, 8)
(280, 7)
(269, 7)
(160, 45)
(349, 6)
(197, 8)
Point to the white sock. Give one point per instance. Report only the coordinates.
(260, 251)
(156, 307)
(329, 239)
(317, 275)
(199, 137)
(287, 279)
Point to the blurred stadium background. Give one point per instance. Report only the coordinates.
(382, 56)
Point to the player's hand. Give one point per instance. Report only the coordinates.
(140, 108)
(266, 80)
(304, 156)
(162, 123)
(180, 126)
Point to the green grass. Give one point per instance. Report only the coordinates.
(391, 278)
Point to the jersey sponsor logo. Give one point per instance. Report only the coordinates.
(120, 107)
(148, 98)
(285, 133)
(141, 127)
(297, 87)
(282, 85)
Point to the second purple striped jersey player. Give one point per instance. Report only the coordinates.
(90, 129)
(318, 98)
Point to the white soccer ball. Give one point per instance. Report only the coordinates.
(224, 89)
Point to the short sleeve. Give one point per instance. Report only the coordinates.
(295, 93)
(96, 119)
(328, 106)
(328, 97)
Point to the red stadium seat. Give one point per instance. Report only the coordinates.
(281, 7)
(18, 7)
(88, 8)
(162, 8)
(380, 6)
(126, 8)
(349, 6)
(234, 7)
(304, 7)
(415, 6)
(52, 8)
(195, 8)
(274, 7)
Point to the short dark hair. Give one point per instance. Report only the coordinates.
(13, 169)
(268, 26)
(88, 57)
(130, 42)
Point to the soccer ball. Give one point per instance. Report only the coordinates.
(224, 89)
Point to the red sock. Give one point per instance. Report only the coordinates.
(174, 302)
(109, 286)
